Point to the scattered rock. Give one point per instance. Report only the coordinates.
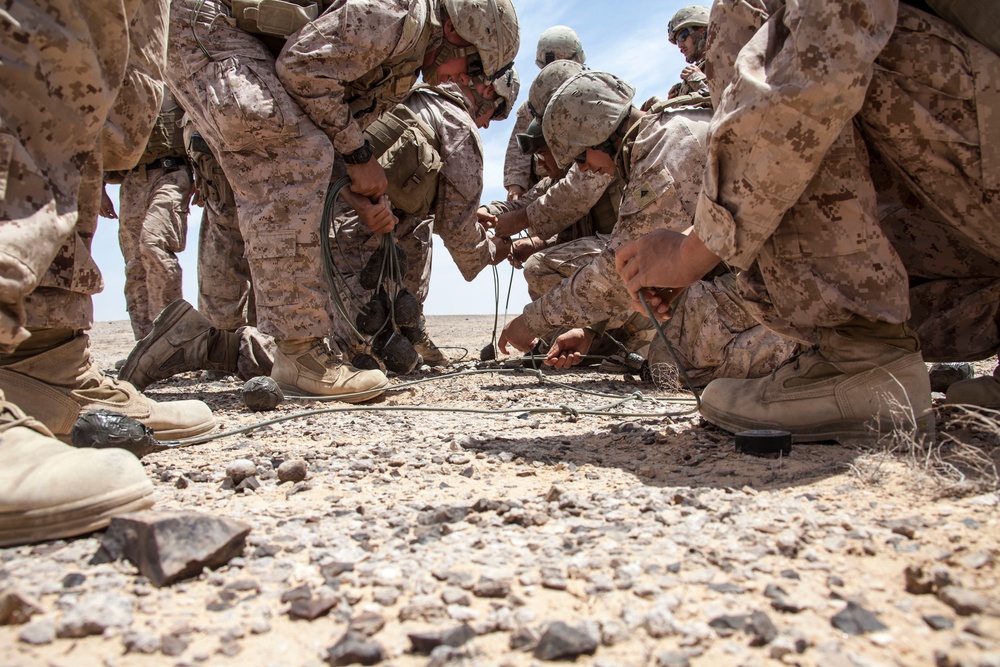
(39, 631)
(141, 642)
(425, 642)
(367, 623)
(487, 587)
(312, 608)
(95, 613)
(938, 622)
(355, 649)
(292, 471)
(856, 620)
(562, 642)
(16, 608)
(169, 546)
(73, 579)
(761, 629)
(240, 469)
(173, 644)
(963, 601)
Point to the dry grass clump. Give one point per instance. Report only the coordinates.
(960, 460)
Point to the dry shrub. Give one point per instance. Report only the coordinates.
(952, 464)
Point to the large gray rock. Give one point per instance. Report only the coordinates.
(170, 546)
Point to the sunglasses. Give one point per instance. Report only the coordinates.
(683, 34)
(581, 158)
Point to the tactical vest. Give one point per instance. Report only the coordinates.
(167, 138)
(600, 219)
(408, 151)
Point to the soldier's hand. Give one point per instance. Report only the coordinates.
(512, 222)
(195, 198)
(368, 179)
(514, 192)
(377, 216)
(499, 249)
(522, 249)
(569, 349)
(662, 259)
(107, 206)
(516, 333)
(485, 218)
(691, 72)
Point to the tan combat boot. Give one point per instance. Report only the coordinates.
(50, 490)
(182, 339)
(983, 392)
(307, 367)
(57, 385)
(849, 388)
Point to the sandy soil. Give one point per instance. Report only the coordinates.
(510, 507)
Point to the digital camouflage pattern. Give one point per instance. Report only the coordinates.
(518, 168)
(49, 132)
(923, 96)
(225, 294)
(262, 135)
(546, 268)
(152, 223)
(152, 229)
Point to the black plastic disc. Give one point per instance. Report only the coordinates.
(764, 441)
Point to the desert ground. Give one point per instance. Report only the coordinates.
(528, 517)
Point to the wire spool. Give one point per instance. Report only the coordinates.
(262, 394)
(764, 442)
(102, 428)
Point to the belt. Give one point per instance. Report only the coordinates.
(169, 163)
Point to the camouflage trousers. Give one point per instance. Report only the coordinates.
(152, 229)
(715, 336)
(711, 330)
(547, 268)
(225, 294)
(276, 159)
(924, 120)
(49, 129)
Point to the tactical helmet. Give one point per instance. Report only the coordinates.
(559, 43)
(692, 16)
(532, 139)
(491, 26)
(507, 86)
(546, 83)
(585, 112)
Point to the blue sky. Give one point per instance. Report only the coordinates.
(625, 38)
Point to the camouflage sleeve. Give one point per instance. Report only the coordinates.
(776, 119)
(517, 165)
(568, 200)
(131, 119)
(341, 45)
(534, 192)
(460, 187)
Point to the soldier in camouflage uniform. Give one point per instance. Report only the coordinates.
(275, 123)
(688, 29)
(184, 340)
(591, 120)
(450, 115)
(63, 67)
(152, 228)
(521, 172)
(225, 295)
(791, 201)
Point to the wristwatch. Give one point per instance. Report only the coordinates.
(361, 155)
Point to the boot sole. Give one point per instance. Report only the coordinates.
(839, 430)
(71, 519)
(166, 319)
(358, 397)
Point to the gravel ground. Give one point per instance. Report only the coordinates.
(623, 540)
